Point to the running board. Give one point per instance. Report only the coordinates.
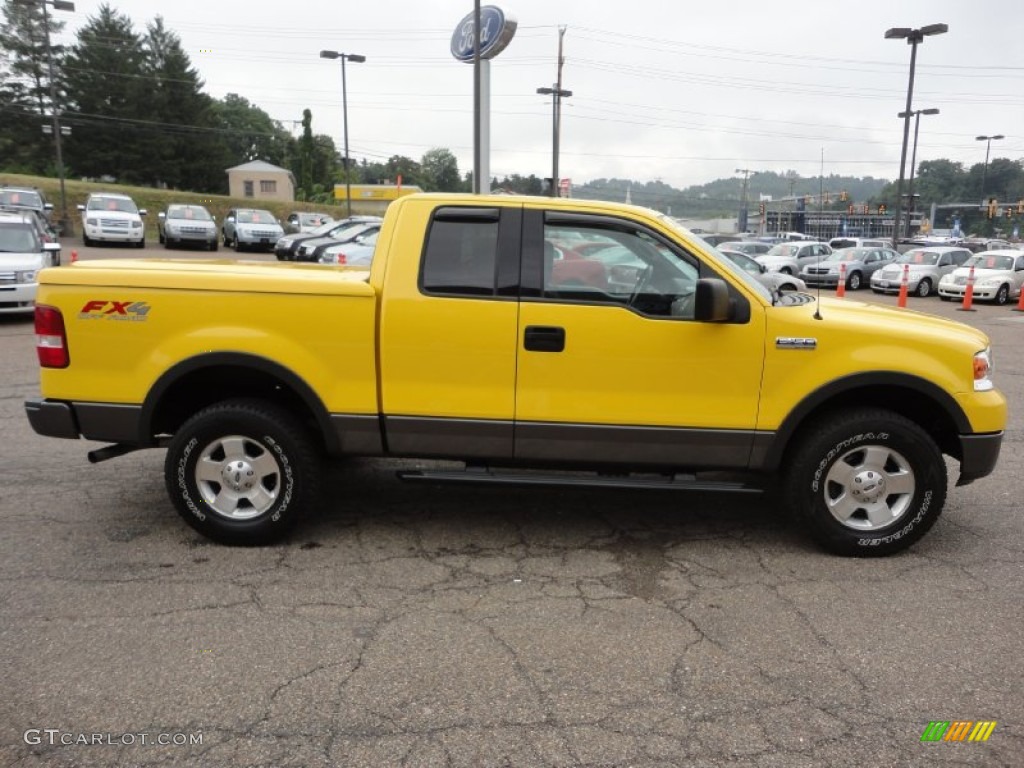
(660, 482)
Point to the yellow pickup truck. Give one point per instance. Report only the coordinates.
(536, 340)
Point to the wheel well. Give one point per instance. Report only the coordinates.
(202, 387)
(925, 411)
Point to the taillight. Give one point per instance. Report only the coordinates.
(51, 339)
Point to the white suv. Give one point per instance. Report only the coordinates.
(22, 256)
(113, 217)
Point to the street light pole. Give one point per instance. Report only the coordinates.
(913, 37)
(913, 162)
(988, 145)
(354, 57)
(66, 228)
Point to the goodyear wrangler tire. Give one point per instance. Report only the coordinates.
(242, 472)
(866, 482)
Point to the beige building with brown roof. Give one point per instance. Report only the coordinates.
(260, 180)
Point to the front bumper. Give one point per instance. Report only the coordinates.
(892, 285)
(825, 281)
(958, 291)
(18, 298)
(111, 234)
(978, 456)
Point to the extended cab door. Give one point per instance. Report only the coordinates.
(448, 330)
(613, 367)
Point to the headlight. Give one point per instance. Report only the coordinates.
(983, 371)
(171, 229)
(989, 282)
(26, 276)
(137, 224)
(947, 278)
(91, 222)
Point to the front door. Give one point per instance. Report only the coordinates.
(613, 367)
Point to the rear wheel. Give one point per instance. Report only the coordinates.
(924, 288)
(242, 472)
(866, 482)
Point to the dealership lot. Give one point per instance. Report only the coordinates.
(439, 625)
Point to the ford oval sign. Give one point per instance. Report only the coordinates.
(496, 31)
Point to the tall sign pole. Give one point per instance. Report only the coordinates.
(479, 37)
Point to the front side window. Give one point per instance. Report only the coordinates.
(617, 266)
(461, 252)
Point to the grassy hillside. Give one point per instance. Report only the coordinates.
(156, 200)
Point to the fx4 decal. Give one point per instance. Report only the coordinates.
(124, 311)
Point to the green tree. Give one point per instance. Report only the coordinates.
(25, 99)
(107, 82)
(406, 167)
(440, 171)
(249, 133)
(306, 148)
(181, 140)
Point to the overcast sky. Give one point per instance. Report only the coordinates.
(685, 92)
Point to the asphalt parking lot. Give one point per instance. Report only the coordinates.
(462, 626)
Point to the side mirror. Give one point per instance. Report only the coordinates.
(80, 207)
(229, 220)
(161, 215)
(213, 218)
(711, 301)
(48, 206)
(761, 267)
(142, 211)
(51, 247)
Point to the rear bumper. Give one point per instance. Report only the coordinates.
(978, 456)
(104, 422)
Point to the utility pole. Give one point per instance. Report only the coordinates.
(557, 93)
(742, 223)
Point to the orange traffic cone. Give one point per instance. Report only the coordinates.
(74, 256)
(1020, 303)
(902, 303)
(969, 294)
(841, 285)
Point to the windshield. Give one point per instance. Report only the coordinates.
(192, 212)
(989, 261)
(918, 257)
(785, 249)
(120, 204)
(18, 239)
(847, 254)
(18, 197)
(256, 217)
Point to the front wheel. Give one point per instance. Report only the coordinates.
(924, 288)
(242, 472)
(853, 281)
(1002, 295)
(866, 482)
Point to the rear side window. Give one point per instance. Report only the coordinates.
(461, 252)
